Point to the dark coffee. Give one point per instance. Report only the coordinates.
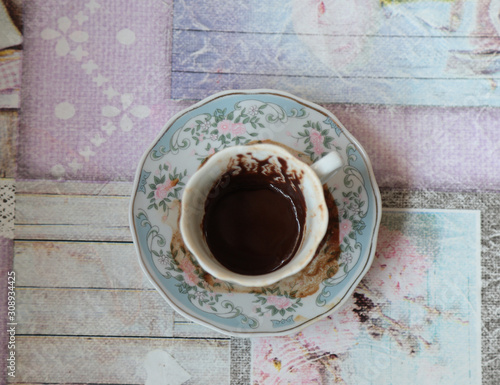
(254, 217)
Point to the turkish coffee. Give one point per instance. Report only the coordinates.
(254, 217)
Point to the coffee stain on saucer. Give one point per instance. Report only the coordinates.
(306, 282)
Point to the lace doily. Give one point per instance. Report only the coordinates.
(7, 201)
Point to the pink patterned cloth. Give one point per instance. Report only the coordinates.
(91, 84)
(413, 319)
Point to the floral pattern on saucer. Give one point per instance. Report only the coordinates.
(236, 118)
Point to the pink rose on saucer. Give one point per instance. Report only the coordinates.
(280, 302)
(188, 268)
(316, 137)
(318, 149)
(317, 142)
(162, 190)
(344, 229)
(238, 129)
(225, 126)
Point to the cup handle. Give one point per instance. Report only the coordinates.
(327, 166)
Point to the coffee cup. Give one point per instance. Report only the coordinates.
(255, 214)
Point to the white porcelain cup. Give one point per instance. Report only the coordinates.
(316, 214)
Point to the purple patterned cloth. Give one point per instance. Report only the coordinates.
(97, 90)
(93, 76)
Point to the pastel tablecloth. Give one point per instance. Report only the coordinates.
(416, 82)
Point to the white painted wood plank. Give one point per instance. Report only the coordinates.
(8, 141)
(186, 328)
(68, 217)
(66, 265)
(74, 188)
(77, 232)
(419, 53)
(11, 100)
(396, 56)
(466, 92)
(78, 264)
(94, 312)
(118, 360)
(394, 18)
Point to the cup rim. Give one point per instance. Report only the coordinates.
(304, 255)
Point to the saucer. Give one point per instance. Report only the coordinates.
(236, 118)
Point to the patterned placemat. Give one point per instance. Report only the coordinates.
(414, 319)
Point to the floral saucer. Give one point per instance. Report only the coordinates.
(240, 117)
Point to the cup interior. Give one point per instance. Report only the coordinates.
(234, 158)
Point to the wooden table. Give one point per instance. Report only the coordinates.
(420, 95)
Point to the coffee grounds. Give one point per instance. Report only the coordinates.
(254, 218)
